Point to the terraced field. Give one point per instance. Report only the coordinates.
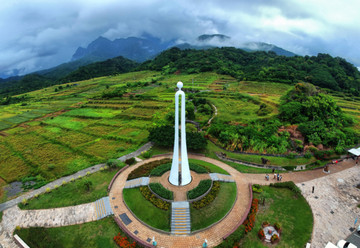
(59, 130)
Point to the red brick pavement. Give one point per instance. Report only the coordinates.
(213, 234)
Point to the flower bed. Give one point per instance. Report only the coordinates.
(250, 221)
(145, 191)
(123, 241)
(144, 170)
(209, 197)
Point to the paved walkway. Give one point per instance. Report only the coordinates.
(213, 234)
(59, 181)
(334, 206)
(54, 217)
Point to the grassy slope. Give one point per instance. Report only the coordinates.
(73, 193)
(93, 234)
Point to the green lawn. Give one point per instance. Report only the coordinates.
(93, 234)
(74, 193)
(213, 168)
(216, 210)
(293, 214)
(145, 210)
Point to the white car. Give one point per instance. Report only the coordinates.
(345, 244)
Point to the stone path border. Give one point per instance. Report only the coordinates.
(59, 181)
(214, 234)
(53, 217)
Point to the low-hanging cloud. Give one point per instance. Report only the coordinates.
(37, 34)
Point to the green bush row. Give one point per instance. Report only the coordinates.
(209, 197)
(161, 191)
(199, 190)
(289, 185)
(144, 170)
(198, 168)
(157, 202)
(160, 170)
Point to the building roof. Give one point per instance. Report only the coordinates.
(355, 151)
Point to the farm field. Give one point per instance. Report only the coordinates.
(59, 130)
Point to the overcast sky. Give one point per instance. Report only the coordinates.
(38, 34)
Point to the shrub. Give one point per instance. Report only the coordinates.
(24, 201)
(56, 186)
(114, 163)
(307, 155)
(277, 226)
(199, 190)
(265, 223)
(47, 190)
(87, 184)
(157, 202)
(36, 195)
(161, 191)
(160, 170)
(209, 197)
(256, 188)
(261, 234)
(274, 238)
(63, 182)
(147, 154)
(130, 161)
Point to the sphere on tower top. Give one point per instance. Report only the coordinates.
(180, 85)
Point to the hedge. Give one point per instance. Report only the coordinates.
(160, 170)
(209, 197)
(199, 190)
(289, 185)
(198, 168)
(161, 191)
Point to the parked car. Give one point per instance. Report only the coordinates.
(345, 244)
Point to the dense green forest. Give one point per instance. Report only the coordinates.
(321, 70)
(105, 68)
(313, 120)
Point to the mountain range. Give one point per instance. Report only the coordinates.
(140, 49)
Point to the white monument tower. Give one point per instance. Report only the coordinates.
(180, 177)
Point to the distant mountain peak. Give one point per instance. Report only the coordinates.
(209, 37)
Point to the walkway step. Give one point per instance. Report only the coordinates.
(180, 218)
(137, 182)
(103, 208)
(221, 177)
